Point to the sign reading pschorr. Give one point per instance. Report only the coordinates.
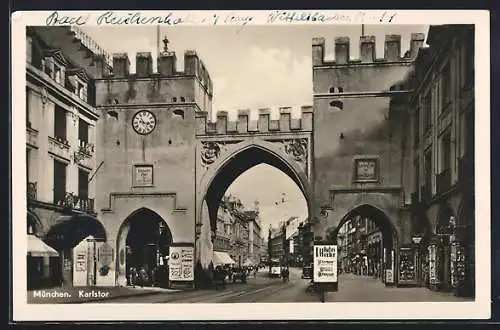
(325, 263)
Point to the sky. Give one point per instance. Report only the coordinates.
(254, 67)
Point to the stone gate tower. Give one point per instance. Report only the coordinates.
(146, 137)
(361, 129)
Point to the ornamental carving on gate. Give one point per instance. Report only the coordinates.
(297, 149)
(211, 150)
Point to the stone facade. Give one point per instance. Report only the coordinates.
(442, 109)
(61, 141)
(238, 231)
(360, 108)
(150, 169)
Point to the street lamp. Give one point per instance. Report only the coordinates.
(161, 227)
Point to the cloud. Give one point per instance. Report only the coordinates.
(265, 77)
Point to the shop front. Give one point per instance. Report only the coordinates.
(42, 264)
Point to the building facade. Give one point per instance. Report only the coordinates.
(238, 231)
(306, 240)
(360, 107)
(61, 147)
(442, 108)
(275, 244)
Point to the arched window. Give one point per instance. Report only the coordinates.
(183, 99)
(332, 90)
(174, 99)
(341, 90)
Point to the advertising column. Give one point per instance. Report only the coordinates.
(325, 268)
(181, 264)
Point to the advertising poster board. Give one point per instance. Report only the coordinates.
(325, 266)
(181, 263)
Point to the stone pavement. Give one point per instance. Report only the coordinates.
(70, 295)
(354, 288)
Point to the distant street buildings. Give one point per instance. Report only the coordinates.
(238, 238)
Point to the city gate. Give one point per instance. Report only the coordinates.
(225, 149)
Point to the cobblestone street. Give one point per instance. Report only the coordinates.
(352, 288)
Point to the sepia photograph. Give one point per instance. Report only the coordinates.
(240, 163)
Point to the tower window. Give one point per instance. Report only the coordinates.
(113, 114)
(332, 90)
(179, 113)
(337, 104)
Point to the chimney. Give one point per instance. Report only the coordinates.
(121, 65)
(143, 64)
(417, 42)
(392, 49)
(342, 50)
(167, 64)
(367, 49)
(318, 51)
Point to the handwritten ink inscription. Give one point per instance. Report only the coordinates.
(232, 18)
(137, 18)
(56, 19)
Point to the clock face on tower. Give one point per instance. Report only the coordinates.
(144, 122)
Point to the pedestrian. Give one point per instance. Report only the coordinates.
(153, 276)
(143, 277)
(255, 272)
(132, 276)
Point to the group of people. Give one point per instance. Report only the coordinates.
(147, 277)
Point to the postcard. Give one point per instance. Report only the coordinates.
(281, 164)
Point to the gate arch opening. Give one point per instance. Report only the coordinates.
(144, 240)
(367, 241)
(241, 162)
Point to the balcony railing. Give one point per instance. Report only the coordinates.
(86, 148)
(31, 190)
(74, 202)
(443, 181)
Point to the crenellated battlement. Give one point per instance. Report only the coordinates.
(367, 50)
(166, 67)
(264, 123)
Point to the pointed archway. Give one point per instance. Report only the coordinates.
(144, 240)
(224, 172)
(381, 255)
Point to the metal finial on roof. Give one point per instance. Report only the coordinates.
(165, 44)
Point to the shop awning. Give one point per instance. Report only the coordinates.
(37, 248)
(222, 258)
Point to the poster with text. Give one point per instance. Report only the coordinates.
(325, 264)
(181, 263)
